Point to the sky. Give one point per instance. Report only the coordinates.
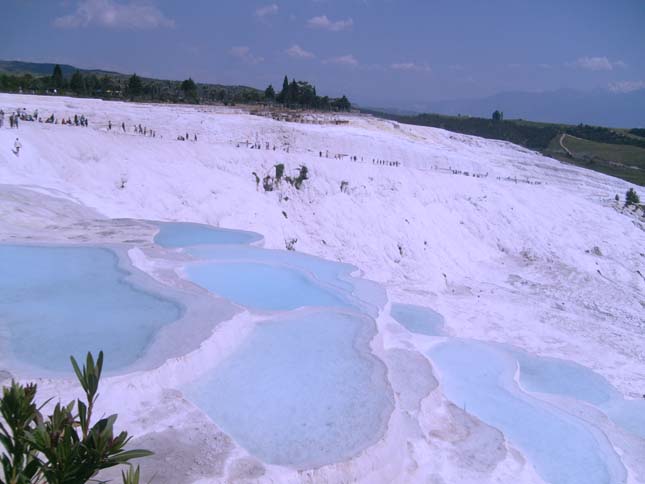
(377, 52)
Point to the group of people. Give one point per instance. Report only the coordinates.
(144, 130)
(259, 146)
(137, 129)
(321, 154)
(385, 162)
(78, 121)
(14, 119)
(514, 179)
(22, 115)
(186, 138)
(355, 158)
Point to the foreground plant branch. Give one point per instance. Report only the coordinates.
(39, 449)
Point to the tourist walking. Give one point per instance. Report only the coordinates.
(16, 147)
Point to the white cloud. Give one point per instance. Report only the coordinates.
(596, 64)
(348, 60)
(266, 10)
(243, 53)
(410, 66)
(626, 86)
(298, 52)
(115, 15)
(323, 22)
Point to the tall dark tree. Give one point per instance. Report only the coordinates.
(135, 86)
(57, 77)
(92, 84)
(342, 104)
(282, 97)
(77, 83)
(189, 89)
(106, 85)
(303, 94)
(498, 116)
(293, 92)
(269, 93)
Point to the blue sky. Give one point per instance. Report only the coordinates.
(378, 52)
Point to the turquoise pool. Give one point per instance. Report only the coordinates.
(62, 301)
(418, 319)
(302, 390)
(183, 234)
(479, 377)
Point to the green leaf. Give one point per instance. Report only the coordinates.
(77, 370)
(133, 454)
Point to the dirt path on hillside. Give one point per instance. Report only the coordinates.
(569, 154)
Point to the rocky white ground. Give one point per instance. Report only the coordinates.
(530, 252)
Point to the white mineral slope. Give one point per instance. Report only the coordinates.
(553, 266)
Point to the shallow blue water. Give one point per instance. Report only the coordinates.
(418, 319)
(556, 376)
(307, 280)
(552, 375)
(262, 286)
(629, 414)
(302, 390)
(180, 234)
(324, 270)
(298, 391)
(479, 378)
(62, 301)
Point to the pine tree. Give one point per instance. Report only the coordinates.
(293, 93)
(57, 77)
(269, 93)
(77, 83)
(135, 86)
(190, 89)
(342, 104)
(282, 97)
(106, 84)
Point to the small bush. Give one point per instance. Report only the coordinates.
(631, 197)
(267, 183)
(64, 447)
(302, 176)
(290, 244)
(279, 172)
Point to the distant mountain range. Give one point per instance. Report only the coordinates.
(599, 107)
(39, 69)
(46, 69)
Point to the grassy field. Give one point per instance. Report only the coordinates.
(615, 152)
(622, 161)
